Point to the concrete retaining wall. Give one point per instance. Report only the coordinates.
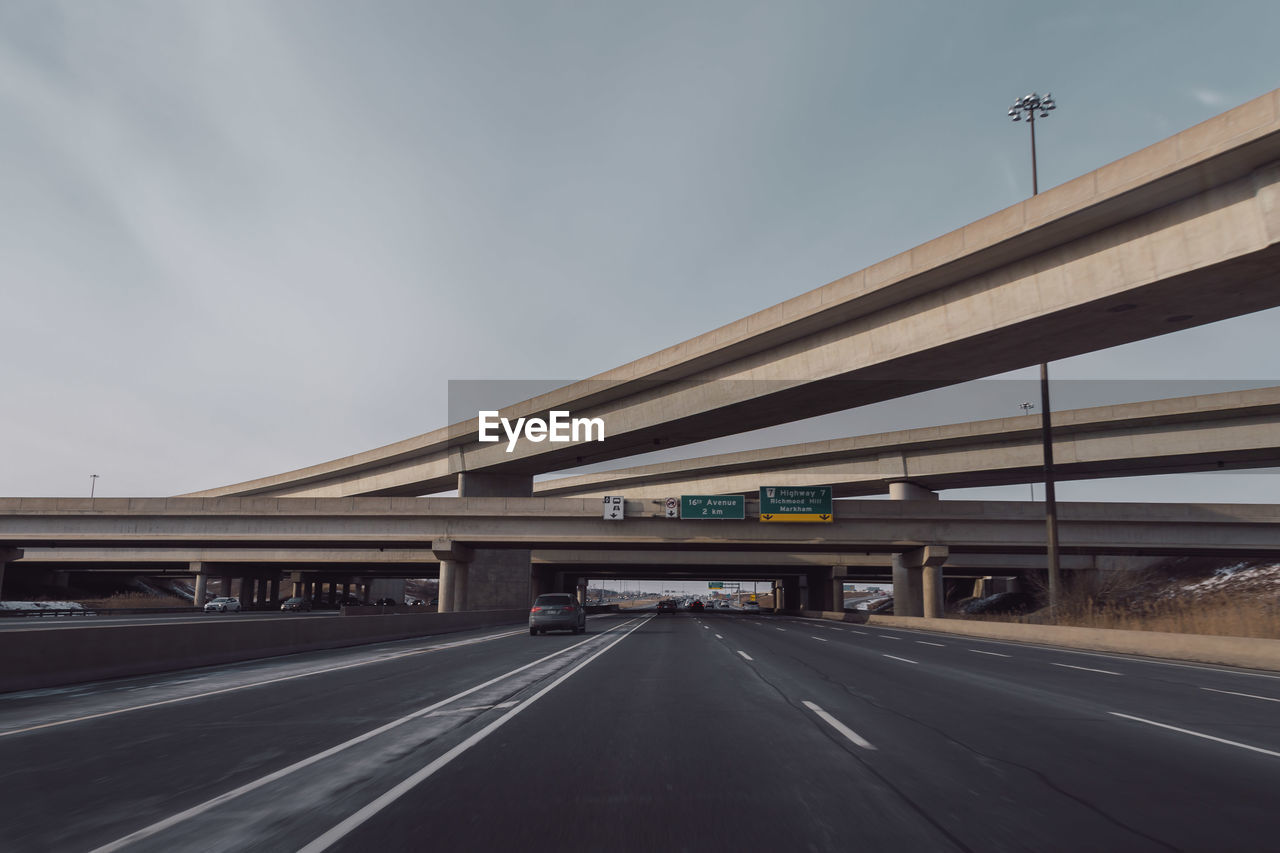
(46, 657)
(1199, 648)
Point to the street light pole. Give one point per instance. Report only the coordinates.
(93, 482)
(1029, 105)
(1026, 410)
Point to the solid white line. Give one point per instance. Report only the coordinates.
(201, 808)
(344, 828)
(745, 655)
(1107, 655)
(923, 643)
(839, 726)
(820, 640)
(1250, 695)
(1198, 734)
(904, 660)
(1087, 669)
(279, 680)
(993, 654)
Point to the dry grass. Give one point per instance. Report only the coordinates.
(1148, 601)
(1221, 615)
(133, 600)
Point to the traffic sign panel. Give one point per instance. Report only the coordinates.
(614, 508)
(721, 507)
(795, 503)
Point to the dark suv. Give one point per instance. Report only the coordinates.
(557, 611)
(667, 605)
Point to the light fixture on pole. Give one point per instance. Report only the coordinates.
(93, 482)
(1026, 410)
(1029, 106)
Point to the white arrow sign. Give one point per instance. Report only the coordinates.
(613, 508)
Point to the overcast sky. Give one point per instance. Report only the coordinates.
(239, 238)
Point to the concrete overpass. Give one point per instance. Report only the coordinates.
(919, 536)
(1182, 233)
(1209, 432)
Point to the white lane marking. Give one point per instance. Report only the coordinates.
(201, 808)
(1198, 734)
(718, 637)
(839, 726)
(782, 629)
(337, 833)
(820, 640)
(1107, 655)
(1250, 695)
(861, 633)
(993, 654)
(923, 643)
(745, 655)
(279, 680)
(904, 660)
(1087, 669)
(706, 627)
(887, 637)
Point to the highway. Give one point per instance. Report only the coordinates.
(715, 731)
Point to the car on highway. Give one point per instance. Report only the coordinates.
(667, 605)
(296, 603)
(225, 604)
(553, 611)
(696, 606)
(752, 607)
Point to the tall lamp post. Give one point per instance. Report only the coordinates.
(93, 482)
(1027, 107)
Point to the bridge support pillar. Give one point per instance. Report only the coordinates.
(917, 582)
(7, 555)
(497, 578)
(582, 590)
(838, 579)
(455, 568)
(202, 584)
(791, 599)
(820, 587)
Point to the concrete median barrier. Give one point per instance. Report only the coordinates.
(48, 657)
(1251, 652)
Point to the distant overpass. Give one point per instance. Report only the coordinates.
(1182, 233)
(1209, 432)
(921, 534)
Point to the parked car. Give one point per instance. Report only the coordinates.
(296, 603)
(557, 611)
(226, 604)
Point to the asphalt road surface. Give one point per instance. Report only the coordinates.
(710, 732)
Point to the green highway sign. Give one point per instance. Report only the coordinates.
(713, 506)
(715, 584)
(795, 503)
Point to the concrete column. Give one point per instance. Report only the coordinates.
(820, 588)
(7, 555)
(791, 598)
(933, 592)
(225, 588)
(910, 584)
(838, 579)
(497, 578)
(582, 590)
(908, 591)
(455, 565)
(202, 583)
